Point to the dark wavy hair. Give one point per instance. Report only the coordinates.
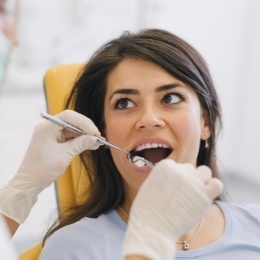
(87, 97)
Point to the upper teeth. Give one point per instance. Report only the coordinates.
(150, 145)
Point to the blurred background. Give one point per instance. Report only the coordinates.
(53, 32)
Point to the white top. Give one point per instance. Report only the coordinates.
(102, 238)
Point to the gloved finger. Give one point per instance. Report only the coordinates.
(68, 135)
(80, 121)
(214, 188)
(82, 143)
(204, 173)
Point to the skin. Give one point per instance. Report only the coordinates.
(147, 118)
(11, 224)
(139, 109)
(136, 257)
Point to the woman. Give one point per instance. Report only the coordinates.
(151, 94)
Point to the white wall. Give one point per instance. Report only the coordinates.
(60, 31)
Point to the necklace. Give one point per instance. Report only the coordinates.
(185, 244)
(123, 212)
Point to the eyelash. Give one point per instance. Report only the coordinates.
(125, 98)
(120, 99)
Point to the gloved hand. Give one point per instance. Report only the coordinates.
(172, 199)
(49, 153)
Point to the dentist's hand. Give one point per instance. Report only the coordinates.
(49, 153)
(172, 199)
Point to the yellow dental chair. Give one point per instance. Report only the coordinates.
(57, 84)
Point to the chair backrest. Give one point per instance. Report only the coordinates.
(58, 82)
(70, 186)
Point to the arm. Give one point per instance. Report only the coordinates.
(49, 153)
(11, 224)
(6, 250)
(172, 199)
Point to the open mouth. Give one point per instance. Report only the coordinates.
(153, 152)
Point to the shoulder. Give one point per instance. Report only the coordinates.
(73, 242)
(247, 208)
(247, 213)
(85, 238)
(242, 229)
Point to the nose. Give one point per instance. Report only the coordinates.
(149, 119)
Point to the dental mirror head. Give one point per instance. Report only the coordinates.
(139, 161)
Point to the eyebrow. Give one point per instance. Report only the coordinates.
(168, 86)
(130, 91)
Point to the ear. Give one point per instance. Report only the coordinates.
(205, 126)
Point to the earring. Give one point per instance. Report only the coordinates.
(206, 144)
(206, 141)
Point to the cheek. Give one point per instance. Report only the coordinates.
(185, 125)
(117, 130)
(187, 131)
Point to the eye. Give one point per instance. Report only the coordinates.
(172, 98)
(123, 103)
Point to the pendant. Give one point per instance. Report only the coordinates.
(185, 246)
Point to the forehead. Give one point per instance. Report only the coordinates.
(142, 77)
(134, 73)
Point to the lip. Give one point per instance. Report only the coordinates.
(144, 169)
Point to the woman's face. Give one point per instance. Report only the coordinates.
(152, 114)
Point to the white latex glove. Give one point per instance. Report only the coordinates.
(172, 199)
(49, 153)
